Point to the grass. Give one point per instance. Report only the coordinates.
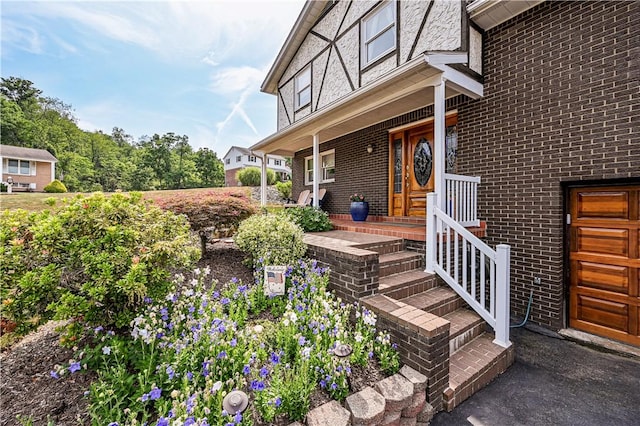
(35, 201)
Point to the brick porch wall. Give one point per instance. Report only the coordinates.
(230, 177)
(561, 104)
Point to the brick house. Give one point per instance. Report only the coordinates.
(30, 169)
(532, 104)
(238, 158)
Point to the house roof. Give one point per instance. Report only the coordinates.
(242, 150)
(22, 153)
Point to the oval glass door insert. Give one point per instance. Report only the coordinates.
(422, 162)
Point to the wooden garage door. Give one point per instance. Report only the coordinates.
(604, 262)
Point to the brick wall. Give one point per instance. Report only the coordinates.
(42, 177)
(230, 177)
(561, 105)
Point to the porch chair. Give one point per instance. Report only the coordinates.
(321, 194)
(303, 200)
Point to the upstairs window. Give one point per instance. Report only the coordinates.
(238, 158)
(277, 162)
(303, 87)
(252, 159)
(228, 161)
(379, 33)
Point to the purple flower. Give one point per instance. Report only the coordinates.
(257, 385)
(246, 369)
(170, 372)
(98, 329)
(302, 340)
(233, 342)
(334, 386)
(278, 402)
(222, 355)
(189, 421)
(162, 422)
(54, 375)
(155, 393)
(264, 372)
(189, 375)
(148, 300)
(114, 424)
(74, 367)
(237, 418)
(323, 384)
(275, 359)
(225, 301)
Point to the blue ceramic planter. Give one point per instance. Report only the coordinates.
(359, 210)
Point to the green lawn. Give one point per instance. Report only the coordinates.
(35, 201)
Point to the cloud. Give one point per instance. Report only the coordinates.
(232, 80)
(171, 29)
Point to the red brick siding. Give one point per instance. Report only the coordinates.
(561, 104)
(41, 179)
(230, 177)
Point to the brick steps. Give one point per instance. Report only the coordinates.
(473, 366)
(465, 326)
(402, 261)
(474, 359)
(438, 301)
(405, 284)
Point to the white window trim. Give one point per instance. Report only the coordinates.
(32, 167)
(363, 48)
(306, 170)
(297, 90)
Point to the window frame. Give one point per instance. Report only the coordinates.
(308, 171)
(365, 62)
(238, 158)
(298, 90)
(18, 167)
(252, 158)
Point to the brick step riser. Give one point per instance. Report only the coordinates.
(409, 288)
(461, 339)
(446, 306)
(396, 267)
(383, 248)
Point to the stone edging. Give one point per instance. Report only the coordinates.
(399, 400)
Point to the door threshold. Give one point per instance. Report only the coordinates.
(600, 343)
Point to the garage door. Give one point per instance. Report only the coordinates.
(604, 261)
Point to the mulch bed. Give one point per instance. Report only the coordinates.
(28, 390)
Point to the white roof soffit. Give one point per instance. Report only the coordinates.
(491, 13)
(398, 92)
(306, 20)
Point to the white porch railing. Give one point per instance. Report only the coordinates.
(479, 274)
(461, 198)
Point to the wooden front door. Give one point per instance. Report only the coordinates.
(411, 173)
(604, 260)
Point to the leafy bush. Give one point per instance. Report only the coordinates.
(284, 188)
(251, 176)
(95, 259)
(221, 210)
(309, 218)
(55, 187)
(272, 239)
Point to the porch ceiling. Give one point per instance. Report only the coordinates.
(403, 90)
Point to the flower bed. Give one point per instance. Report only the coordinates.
(184, 354)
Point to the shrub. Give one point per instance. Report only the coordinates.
(309, 218)
(284, 188)
(221, 210)
(272, 238)
(251, 176)
(95, 259)
(55, 187)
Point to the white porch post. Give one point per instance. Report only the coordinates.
(316, 170)
(263, 181)
(503, 259)
(430, 258)
(439, 110)
(53, 170)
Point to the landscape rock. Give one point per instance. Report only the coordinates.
(329, 414)
(397, 392)
(367, 407)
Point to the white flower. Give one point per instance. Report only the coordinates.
(216, 386)
(258, 329)
(175, 394)
(106, 350)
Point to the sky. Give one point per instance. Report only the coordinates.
(189, 67)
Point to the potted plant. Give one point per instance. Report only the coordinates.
(359, 207)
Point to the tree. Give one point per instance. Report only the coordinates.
(210, 168)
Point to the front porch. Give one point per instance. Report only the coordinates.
(405, 227)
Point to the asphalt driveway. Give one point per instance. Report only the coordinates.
(555, 382)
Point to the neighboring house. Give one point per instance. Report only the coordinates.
(30, 169)
(538, 103)
(238, 158)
